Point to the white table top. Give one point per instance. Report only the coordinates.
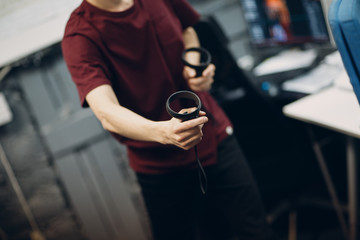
(333, 108)
(33, 40)
(32, 27)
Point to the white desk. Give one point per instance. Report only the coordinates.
(31, 27)
(336, 109)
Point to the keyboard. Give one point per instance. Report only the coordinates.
(318, 78)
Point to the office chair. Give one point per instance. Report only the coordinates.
(230, 82)
(258, 121)
(232, 87)
(267, 138)
(344, 20)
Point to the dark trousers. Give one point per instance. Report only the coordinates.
(230, 209)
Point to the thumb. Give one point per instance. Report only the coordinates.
(190, 72)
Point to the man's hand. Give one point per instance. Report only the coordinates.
(186, 134)
(202, 83)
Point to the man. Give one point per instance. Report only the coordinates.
(125, 59)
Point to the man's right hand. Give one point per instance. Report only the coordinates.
(184, 134)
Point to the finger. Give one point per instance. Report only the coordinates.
(207, 84)
(190, 135)
(202, 84)
(187, 125)
(189, 72)
(187, 110)
(196, 84)
(202, 113)
(210, 70)
(191, 143)
(191, 140)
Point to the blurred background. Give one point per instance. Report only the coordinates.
(63, 177)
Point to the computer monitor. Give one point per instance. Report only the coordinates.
(285, 22)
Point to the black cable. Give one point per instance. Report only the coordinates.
(204, 61)
(201, 173)
(187, 116)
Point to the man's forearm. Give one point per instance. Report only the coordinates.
(118, 119)
(126, 123)
(190, 38)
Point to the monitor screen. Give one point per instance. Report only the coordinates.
(285, 22)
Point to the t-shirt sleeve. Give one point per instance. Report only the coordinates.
(187, 15)
(85, 64)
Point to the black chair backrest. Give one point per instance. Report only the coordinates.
(228, 74)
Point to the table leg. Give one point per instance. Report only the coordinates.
(352, 191)
(329, 184)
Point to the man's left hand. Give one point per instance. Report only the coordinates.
(202, 83)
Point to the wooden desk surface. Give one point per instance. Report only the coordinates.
(333, 108)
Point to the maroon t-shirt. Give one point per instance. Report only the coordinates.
(138, 52)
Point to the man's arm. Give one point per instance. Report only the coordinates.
(118, 119)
